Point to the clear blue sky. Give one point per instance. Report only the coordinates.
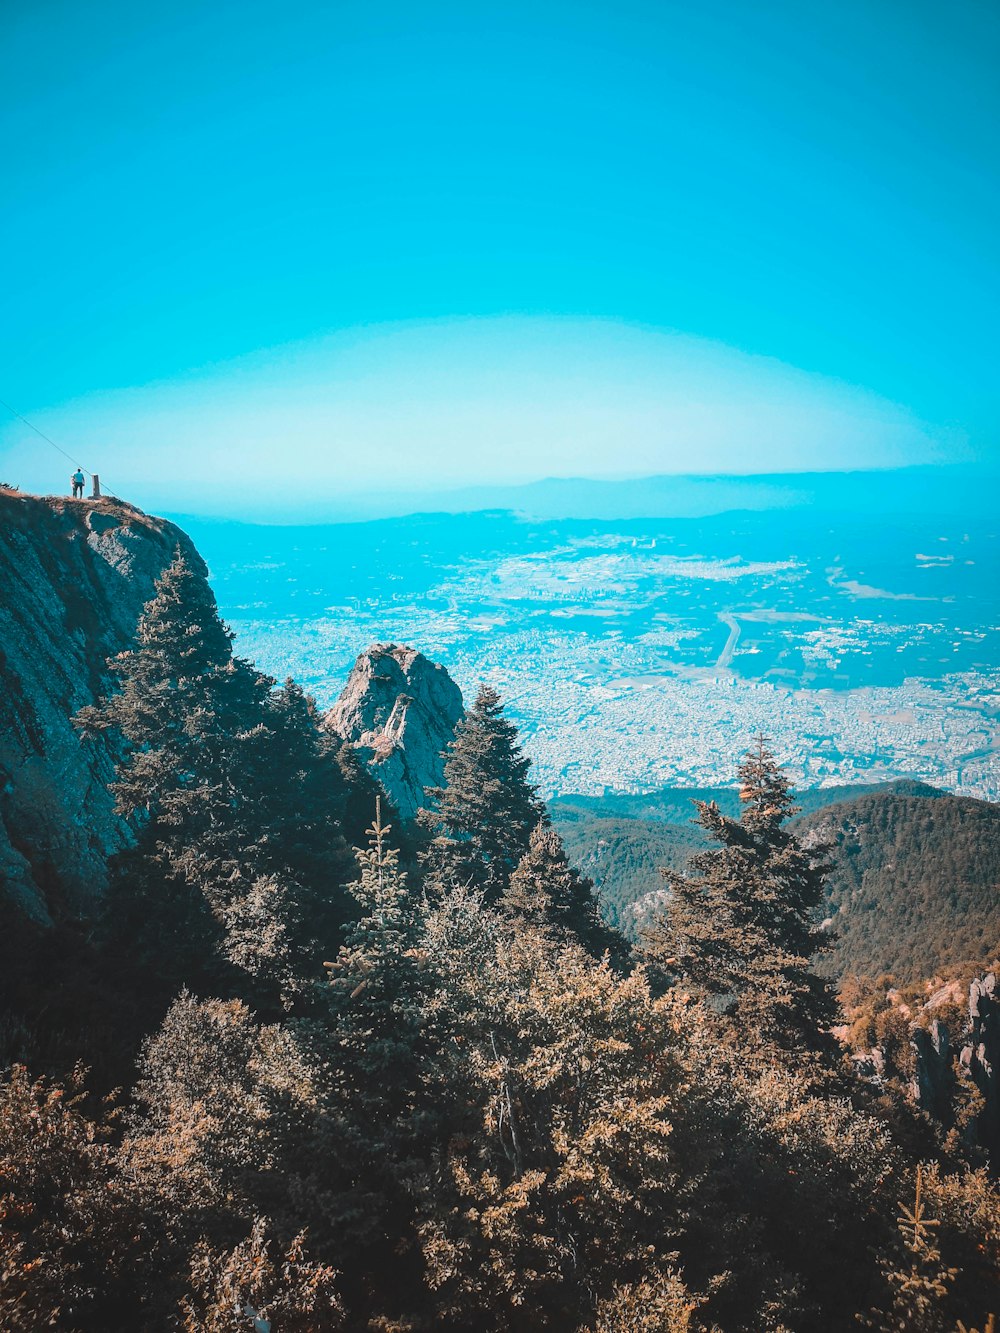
(189, 184)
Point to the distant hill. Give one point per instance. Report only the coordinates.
(916, 885)
(675, 804)
(622, 855)
(916, 879)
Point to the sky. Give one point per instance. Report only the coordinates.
(253, 248)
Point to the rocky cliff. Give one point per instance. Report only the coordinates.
(399, 711)
(74, 576)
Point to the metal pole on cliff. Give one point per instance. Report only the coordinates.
(97, 487)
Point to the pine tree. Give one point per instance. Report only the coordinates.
(919, 1287)
(376, 975)
(741, 928)
(382, 1063)
(182, 701)
(546, 892)
(234, 796)
(484, 814)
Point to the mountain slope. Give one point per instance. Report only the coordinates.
(915, 884)
(676, 804)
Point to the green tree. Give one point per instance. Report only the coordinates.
(75, 1249)
(222, 1098)
(658, 1304)
(741, 929)
(482, 818)
(247, 1287)
(557, 1178)
(920, 1284)
(545, 891)
(235, 796)
(383, 1089)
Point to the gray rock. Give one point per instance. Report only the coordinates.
(399, 711)
(932, 1079)
(980, 1057)
(74, 577)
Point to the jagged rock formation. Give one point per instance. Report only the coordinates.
(942, 1055)
(932, 1078)
(74, 576)
(399, 711)
(980, 1056)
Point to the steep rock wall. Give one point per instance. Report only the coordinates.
(399, 711)
(74, 576)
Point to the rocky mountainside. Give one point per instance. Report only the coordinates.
(399, 711)
(74, 576)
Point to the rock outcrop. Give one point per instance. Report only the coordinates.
(941, 1060)
(399, 711)
(74, 576)
(980, 1057)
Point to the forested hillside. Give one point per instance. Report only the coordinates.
(914, 884)
(623, 856)
(302, 1067)
(676, 805)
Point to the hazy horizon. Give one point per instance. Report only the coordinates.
(252, 255)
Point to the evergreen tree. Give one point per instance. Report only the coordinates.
(920, 1285)
(234, 795)
(546, 892)
(177, 691)
(741, 928)
(484, 814)
(384, 1087)
(377, 975)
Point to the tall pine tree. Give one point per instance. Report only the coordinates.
(741, 927)
(545, 891)
(484, 814)
(233, 794)
(382, 1080)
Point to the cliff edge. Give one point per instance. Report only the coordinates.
(74, 577)
(399, 711)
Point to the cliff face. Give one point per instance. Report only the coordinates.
(399, 711)
(74, 576)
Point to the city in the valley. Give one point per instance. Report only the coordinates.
(643, 653)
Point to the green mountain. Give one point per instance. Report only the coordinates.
(915, 884)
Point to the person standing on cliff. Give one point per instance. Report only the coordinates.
(78, 480)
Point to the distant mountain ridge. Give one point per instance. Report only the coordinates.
(622, 839)
(934, 488)
(675, 804)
